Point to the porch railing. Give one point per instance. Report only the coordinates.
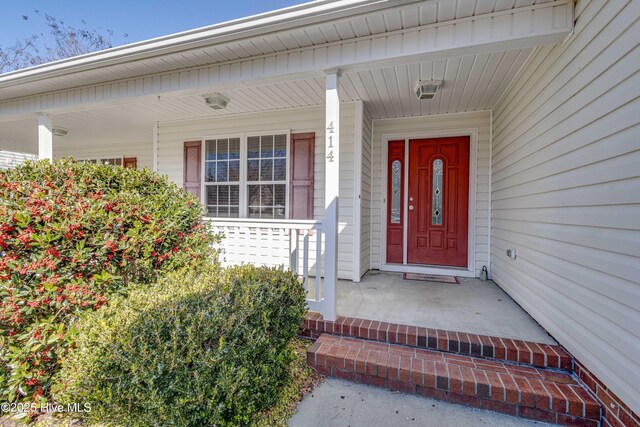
(294, 244)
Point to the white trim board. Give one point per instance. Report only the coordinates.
(469, 271)
(357, 190)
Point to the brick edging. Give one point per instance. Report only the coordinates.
(536, 393)
(614, 412)
(513, 350)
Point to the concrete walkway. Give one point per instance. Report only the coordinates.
(472, 306)
(339, 403)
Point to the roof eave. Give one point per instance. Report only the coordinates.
(282, 19)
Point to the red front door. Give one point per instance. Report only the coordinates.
(438, 201)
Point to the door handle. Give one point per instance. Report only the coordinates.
(410, 207)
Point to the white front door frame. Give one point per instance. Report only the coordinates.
(469, 271)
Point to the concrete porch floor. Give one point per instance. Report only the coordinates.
(472, 306)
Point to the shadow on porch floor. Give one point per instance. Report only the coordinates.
(472, 306)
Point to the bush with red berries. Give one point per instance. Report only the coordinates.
(71, 235)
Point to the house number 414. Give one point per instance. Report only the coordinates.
(330, 130)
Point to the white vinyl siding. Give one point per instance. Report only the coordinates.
(566, 192)
(365, 194)
(141, 150)
(171, 137)
(9, 159)
(445, 122)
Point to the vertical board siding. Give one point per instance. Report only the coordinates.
(566, 192)
(445, 122)
(141, 150)
(365, 194)
(171, 137)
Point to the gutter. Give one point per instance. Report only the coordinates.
(283, 19)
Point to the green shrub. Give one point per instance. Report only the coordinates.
(199, 349)
(71, 235)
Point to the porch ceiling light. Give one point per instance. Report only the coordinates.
(59, 131)
(427, 89)
(217, 101)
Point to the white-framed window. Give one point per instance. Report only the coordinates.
(246, 176)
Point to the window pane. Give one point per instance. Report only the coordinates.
(279, 169)
(395, 192)
(266, 195)
(253, 147)
(210, 172)
(212, 195)
(210, 150)
(254, 195)
(222, 200)
(223, 149)
(223, 195)
(234, 170)
(266, 213)
(266, 145)
(254, 212)
(436, 218)
(223, 212)
(266, 170)
(280, 194)
(234, 148)
(253, 170)
(221, 172)
(234, 195)
(280, 146)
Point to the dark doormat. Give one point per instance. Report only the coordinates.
(431, 278)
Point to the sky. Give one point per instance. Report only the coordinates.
(140, 19)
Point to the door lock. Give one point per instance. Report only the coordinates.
(410, 207)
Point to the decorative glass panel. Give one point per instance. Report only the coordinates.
(395, 191)
(436, 216)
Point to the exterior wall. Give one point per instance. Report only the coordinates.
(171, 136)
(9, 159)
(142, 150)
(365, 193)
(566, 192)
(479, 120)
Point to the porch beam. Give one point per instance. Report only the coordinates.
(331, 192)
(519, 28)
(45, 137)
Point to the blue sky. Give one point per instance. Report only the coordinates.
(141, 19)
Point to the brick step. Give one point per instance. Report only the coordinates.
(528, 392)
(512, 350)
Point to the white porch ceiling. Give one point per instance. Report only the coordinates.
(471, 83)
(404, 16)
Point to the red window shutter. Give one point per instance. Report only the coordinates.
(192, 163)
(301, 175)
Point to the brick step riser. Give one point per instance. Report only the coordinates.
(421, 372)
(517, 351)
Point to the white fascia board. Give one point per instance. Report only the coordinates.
(256, 25)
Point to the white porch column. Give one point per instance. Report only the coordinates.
(331, 192)
(45, 137)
